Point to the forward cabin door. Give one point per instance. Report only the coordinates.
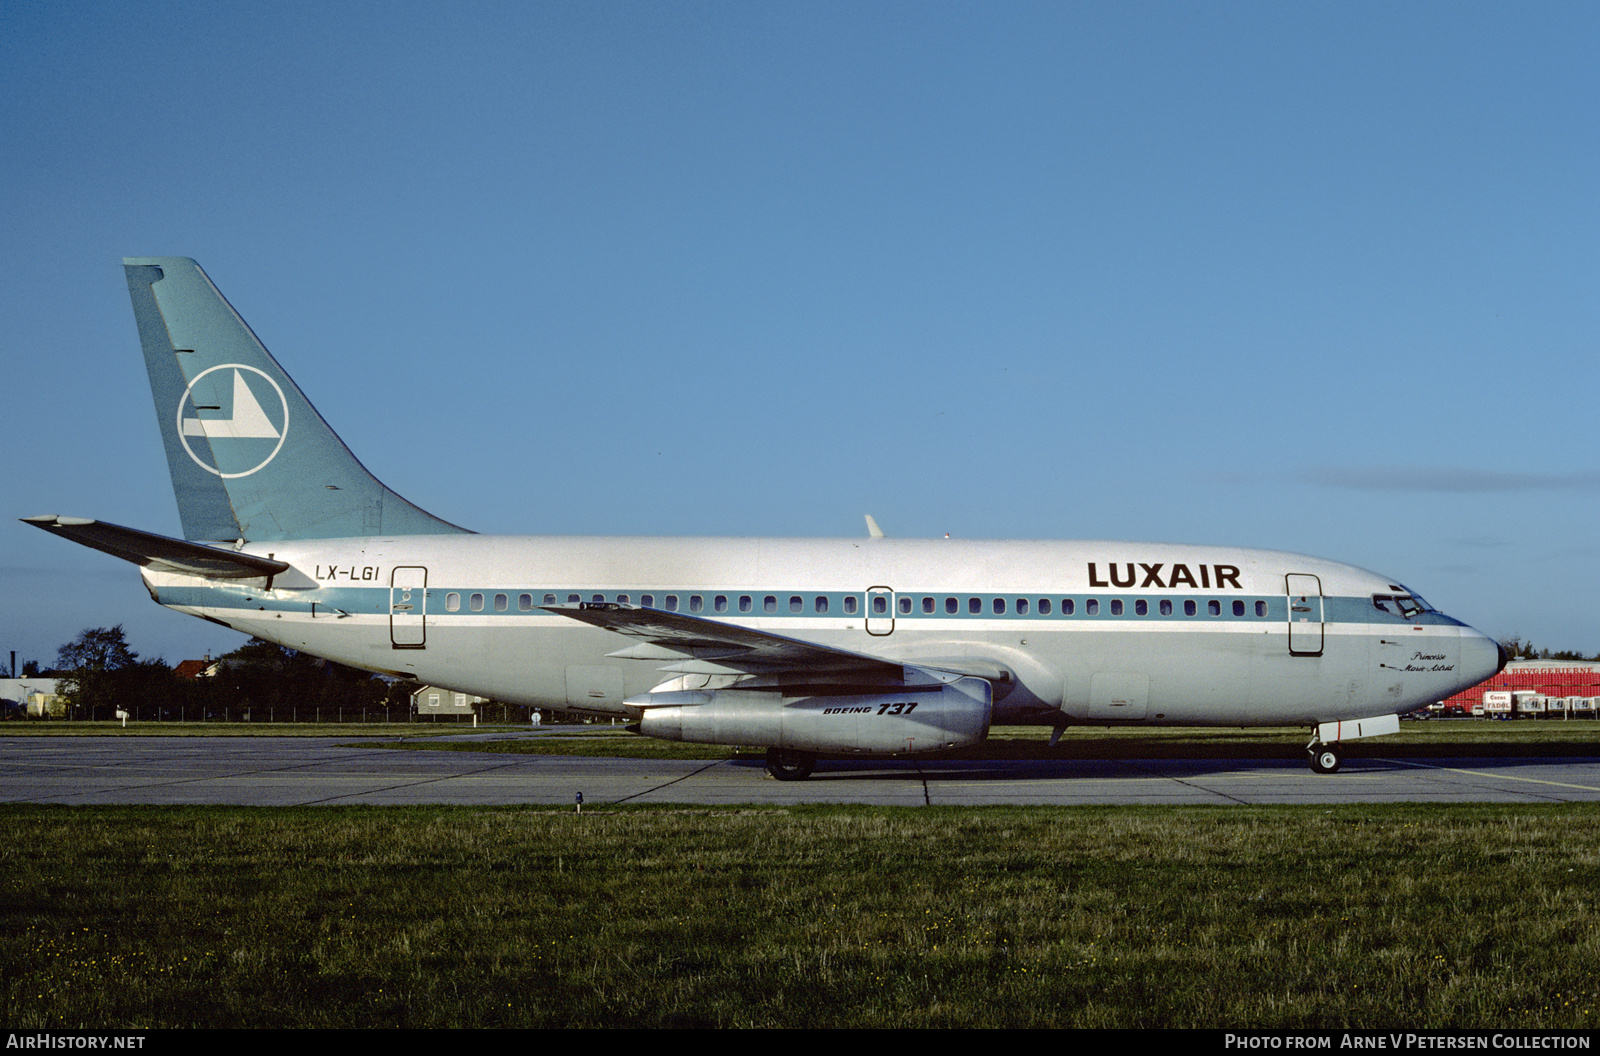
(408, 605)
(1305, 614)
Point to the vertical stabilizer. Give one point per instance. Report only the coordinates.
(250, 457)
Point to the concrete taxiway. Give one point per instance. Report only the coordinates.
(285, 771)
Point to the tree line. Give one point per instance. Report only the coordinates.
(99, 674)
(1517, 649)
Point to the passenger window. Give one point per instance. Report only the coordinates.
(501, 603)
(1261, 608)
(822, 603)
(1022, 606)
(745, 604)
(1166, 607)
(880, 604)
(1068, 607)
(1214, 607)
(720, 603)
(573, 599)
(1044, 606)
(477, 602)
(975, 605)
(452, 602)
(1188, 608)
(1091, 607)
(769, 604)
(850, 601)
(1238, 608)
(1116, 606)
(598, 597)
(549, 599)
(927, 606)
(696, 603)
(796, 605)
(622, 599)
(905, 606)
(952, 606)
(999, 606)
(672, 603)
(525, 602)
(1141, 608)
(647, 600)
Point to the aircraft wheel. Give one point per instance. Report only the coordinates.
(1325, 759)
(787, 765)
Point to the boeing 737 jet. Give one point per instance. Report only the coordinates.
(806, 647)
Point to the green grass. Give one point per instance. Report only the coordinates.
(1399, 916)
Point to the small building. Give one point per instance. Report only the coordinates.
(36, 695)
(437, 700)
(193, 669)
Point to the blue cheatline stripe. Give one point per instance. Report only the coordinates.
(376, 599)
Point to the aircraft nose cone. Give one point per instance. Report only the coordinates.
(1481, 657)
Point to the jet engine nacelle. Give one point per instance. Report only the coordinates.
(915, 718)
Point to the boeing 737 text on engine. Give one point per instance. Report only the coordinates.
(805, 647)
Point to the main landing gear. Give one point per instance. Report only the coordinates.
(788, 765)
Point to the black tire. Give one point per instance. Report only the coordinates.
(788, 765)
(1325, 759)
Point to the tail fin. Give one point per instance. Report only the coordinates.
(250, 457)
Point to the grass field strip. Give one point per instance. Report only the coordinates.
(1400, 916)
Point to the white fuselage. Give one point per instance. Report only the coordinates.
(1094, 632)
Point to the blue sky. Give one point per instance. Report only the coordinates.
(1314, 277)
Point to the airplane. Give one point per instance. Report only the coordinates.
(805, 647)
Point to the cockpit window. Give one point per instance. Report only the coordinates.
(1403, 605)
(1419, 601)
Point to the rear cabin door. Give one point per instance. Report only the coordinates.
(1305, 614)
(408, 605)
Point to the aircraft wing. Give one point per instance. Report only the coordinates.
(694, 645)
(158, 551)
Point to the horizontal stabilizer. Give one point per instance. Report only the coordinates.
(157, 551)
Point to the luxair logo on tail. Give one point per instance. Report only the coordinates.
(232, 420)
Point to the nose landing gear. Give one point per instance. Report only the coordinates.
(1325, 758)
